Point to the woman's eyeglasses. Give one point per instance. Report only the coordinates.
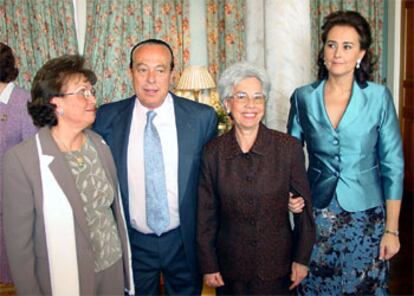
(86, 93)
(243, 97)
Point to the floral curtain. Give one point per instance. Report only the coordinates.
(225, 34)
(114, 27)
(37, 30)
(372, 10)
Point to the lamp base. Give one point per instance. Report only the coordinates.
(197, 95)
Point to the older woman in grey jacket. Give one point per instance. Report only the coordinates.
(64, 226)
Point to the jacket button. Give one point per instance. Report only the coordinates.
(249, 179)
(336, 174)
(337, 157)
(335, 142)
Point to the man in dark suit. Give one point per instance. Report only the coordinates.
(183, 127)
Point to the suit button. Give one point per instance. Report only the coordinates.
(252, 222)
(249, 179)
(253, 244)
(337, 157)
(247, 156)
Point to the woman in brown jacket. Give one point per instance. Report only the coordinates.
(246, 244)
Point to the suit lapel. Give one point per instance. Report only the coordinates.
(317, 106)
(64, 178)
(185, 136)
(119, 147)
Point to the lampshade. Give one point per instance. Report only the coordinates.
(195, 78)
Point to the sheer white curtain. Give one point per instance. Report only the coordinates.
(278, 38)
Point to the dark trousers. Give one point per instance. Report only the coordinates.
(153, 255)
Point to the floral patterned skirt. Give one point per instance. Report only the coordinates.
(344, 258)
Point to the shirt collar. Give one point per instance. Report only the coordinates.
(6, 93)
(260, 146)
(163, 110)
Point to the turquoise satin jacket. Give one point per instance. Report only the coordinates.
(361, 161)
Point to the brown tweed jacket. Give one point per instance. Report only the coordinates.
(243, 220)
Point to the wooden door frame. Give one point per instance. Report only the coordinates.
(403, 84)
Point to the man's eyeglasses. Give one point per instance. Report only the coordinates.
(243, 97)
(86, 93)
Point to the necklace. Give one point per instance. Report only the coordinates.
(78, 158)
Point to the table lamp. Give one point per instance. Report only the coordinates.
(195, 78)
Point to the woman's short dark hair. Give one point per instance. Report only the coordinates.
(359, 23)
(8, 69)
(48, 83)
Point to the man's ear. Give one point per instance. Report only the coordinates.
(172, 76)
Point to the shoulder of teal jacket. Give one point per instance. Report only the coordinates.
(306, 90)
(376, 90)
(377, 95)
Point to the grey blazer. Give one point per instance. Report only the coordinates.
(23, 215)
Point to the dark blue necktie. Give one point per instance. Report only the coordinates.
(155, 186)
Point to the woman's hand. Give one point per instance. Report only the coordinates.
(389, 246)
(299, 272)
(296, 204)
(213, 280)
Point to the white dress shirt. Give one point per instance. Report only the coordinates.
(6, 93)
(164, 121)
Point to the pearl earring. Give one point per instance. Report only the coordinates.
(358, 64)
(60, 112)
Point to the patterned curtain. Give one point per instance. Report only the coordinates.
(113, 27)
(225, 34)
(37, 30)
(372, 10)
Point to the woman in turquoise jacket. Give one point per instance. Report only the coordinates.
(352, 136)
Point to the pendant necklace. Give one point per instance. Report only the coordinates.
(78, 158)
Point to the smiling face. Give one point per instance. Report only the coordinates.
(248, 112)
(342, 51)
(78, 110)
(151, 74)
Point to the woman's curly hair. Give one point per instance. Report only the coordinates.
(48, 83)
